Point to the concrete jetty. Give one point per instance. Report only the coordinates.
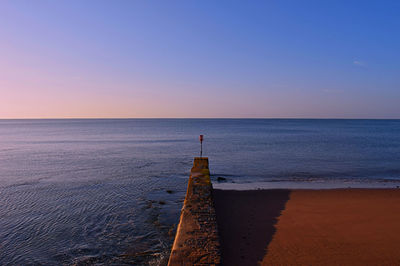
(196, 241)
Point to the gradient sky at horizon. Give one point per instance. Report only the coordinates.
(272, 59)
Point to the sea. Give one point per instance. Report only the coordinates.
(110, 191)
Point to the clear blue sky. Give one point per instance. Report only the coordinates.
(328, 59)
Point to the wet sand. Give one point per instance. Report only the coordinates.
(309, 227)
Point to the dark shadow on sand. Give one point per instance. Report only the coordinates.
(246, 222)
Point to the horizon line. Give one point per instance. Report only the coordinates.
(126, 118)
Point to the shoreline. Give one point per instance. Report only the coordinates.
(341, 226)
(295, 185)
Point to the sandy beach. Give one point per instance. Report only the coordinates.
(309, 227)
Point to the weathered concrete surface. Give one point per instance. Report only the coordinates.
(196, 241)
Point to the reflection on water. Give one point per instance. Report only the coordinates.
(92, 222)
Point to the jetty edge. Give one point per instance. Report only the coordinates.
(196, 240)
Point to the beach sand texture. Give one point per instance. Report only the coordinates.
(309, 227)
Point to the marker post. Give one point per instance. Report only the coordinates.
(201, 145)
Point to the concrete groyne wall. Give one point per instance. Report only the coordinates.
(196, 241)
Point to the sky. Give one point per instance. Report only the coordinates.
(199, 59)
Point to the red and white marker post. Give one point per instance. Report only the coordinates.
(201, 145)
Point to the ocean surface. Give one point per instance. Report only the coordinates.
(109, 191)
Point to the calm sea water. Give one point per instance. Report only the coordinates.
(110, 191)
